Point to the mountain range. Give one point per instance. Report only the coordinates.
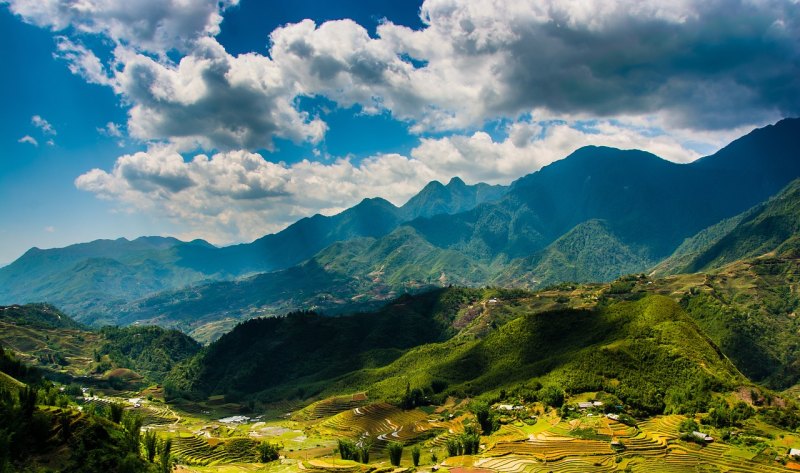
(592, 216)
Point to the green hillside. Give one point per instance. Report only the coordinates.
(37, 316)
(359, 274)
(588, 252)
(274, 353)
(770, 226)
(89, 280)
(43, 429)
(649, 353)
(749, 309)
(43, 337)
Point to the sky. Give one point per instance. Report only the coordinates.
(226, 120)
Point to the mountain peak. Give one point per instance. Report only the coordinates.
(456, 182)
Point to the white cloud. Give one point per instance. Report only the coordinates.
(239, 196)
(213, 100)
(50, 229)
(675, 78)
(698, 65)
(43, 125)
(110, 129)
(82, 61)
(483, 59)
(147, 25)
(28, 139)
(529, 146)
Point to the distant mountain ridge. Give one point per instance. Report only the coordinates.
(644, 200)
(772, 226)
(592, 216)
(92, 281)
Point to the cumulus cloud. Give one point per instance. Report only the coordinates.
(28, 139)
(43, 125)
(699, 65)
(239, 196)
(703, 65)
(675, 78)
(213, 100)
(148, 25)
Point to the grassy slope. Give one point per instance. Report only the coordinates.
(37, 316)
(588, 252)
(43, 337)
(295, 352)
(637, 350)
(766, 227)
(749, 309)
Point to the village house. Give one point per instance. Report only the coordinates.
(702, 436)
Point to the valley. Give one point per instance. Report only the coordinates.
(575, 377)
(584, 318)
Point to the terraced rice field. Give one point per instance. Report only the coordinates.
(193, 450)
(330, 407)
(553, 449)
(549, 446)
(381, 423)
(653, 448)
(157, 415)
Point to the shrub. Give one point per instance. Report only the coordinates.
(363, 450)
(115, 410)
(485, 417)
(267, 452)
(415, 455)
(395, 450)
(348, 450)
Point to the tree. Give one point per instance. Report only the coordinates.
(485, 417)
(132, 425)
(115, 410)
(65, 421)
(363, 450)
(395, 450)
(688, 425)
(454, 447)
(27, 401)
(165, 463)
(267, 452)
(552, 396)
(412, 397)
(150, 445)
(470, 442)
(415, 455)
(6, 440)
(347, 450)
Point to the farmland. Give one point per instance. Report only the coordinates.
(537, 439)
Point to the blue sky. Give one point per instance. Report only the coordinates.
(228, 120)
